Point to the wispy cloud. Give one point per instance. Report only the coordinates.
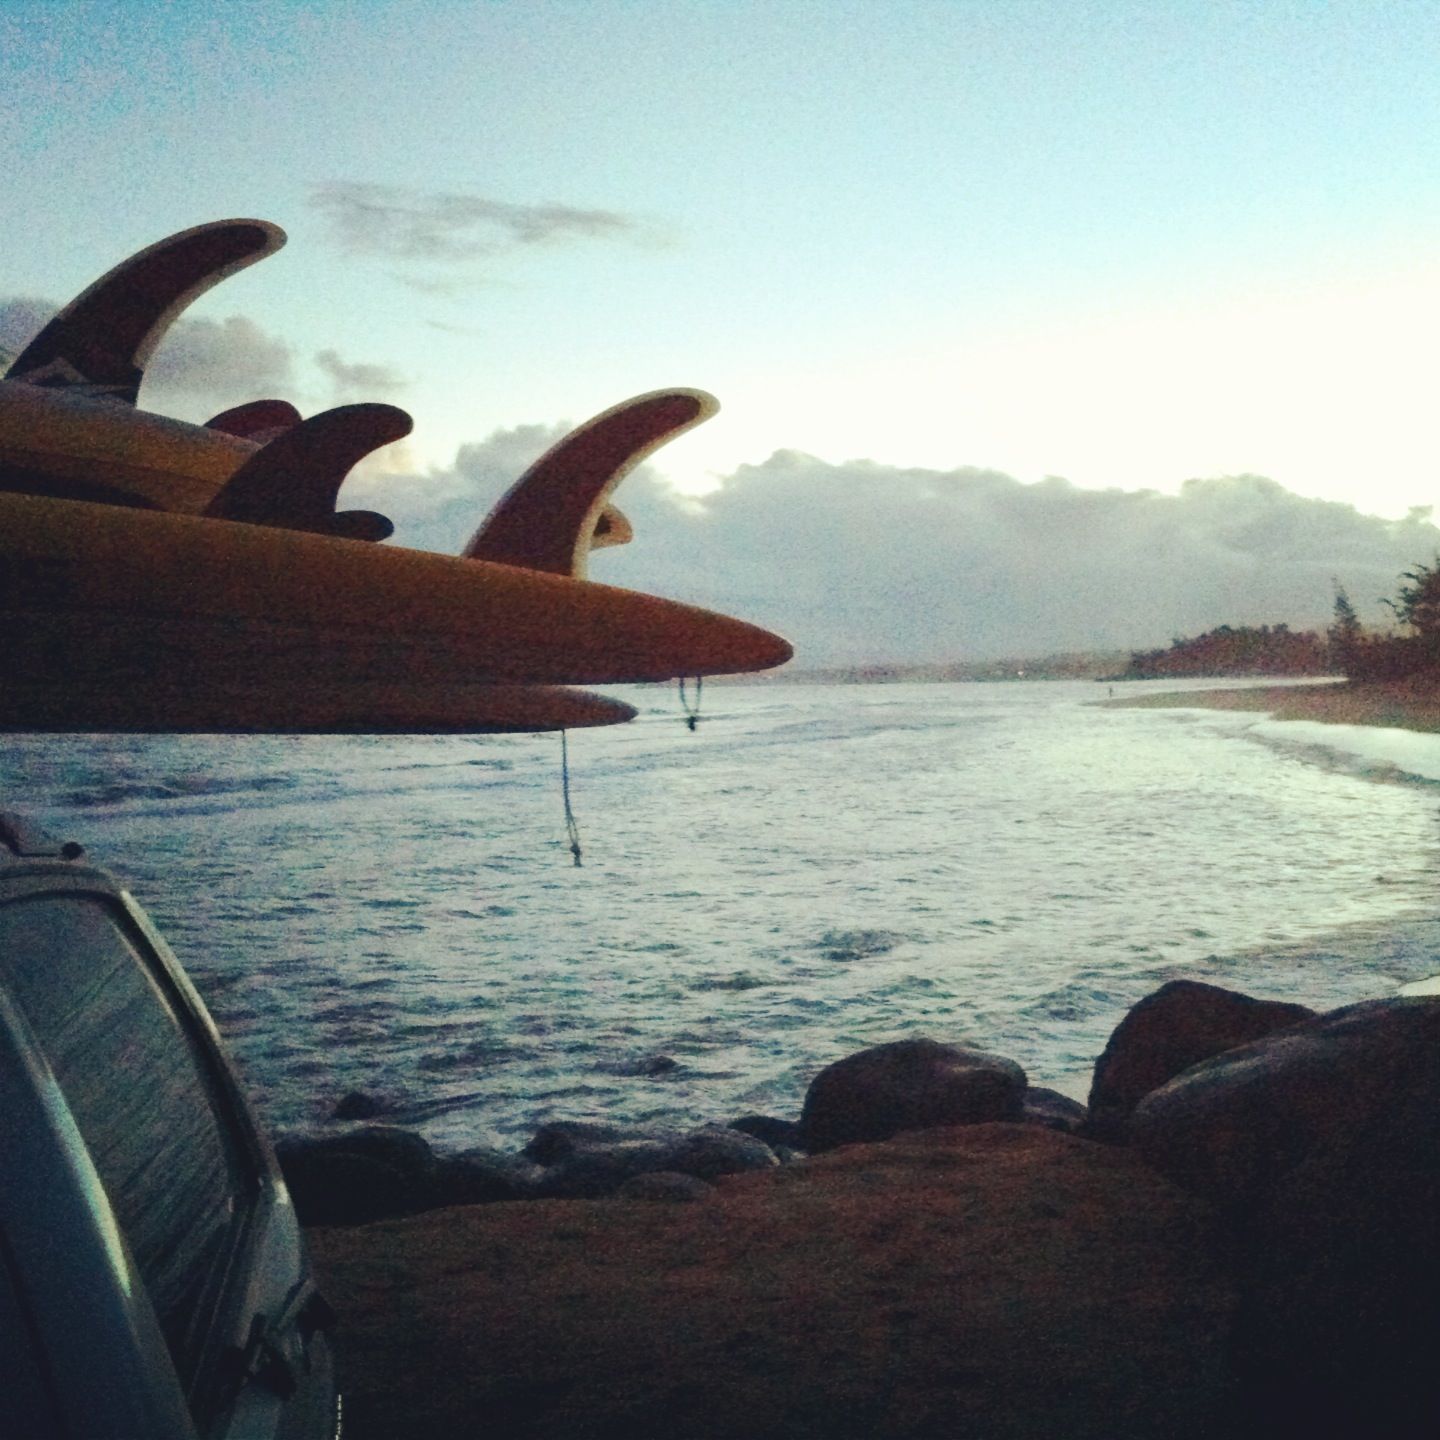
(442, 231)
(359, 380)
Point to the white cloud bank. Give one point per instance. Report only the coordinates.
(864, 562)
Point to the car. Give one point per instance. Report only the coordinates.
(154, 1283)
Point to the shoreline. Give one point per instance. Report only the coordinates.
(1396, 705)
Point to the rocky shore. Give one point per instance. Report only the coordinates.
(1238, 1236)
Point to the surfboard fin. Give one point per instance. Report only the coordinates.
(293, 481)
(102, 340)
(551, 516)
(258, 420)
(612, 528)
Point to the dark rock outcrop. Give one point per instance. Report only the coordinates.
(908, 1085)
(1180, 1024)
(1002, 1281)
(1322, 1142)
(354, 1178)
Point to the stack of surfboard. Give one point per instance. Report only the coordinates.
(156, 575)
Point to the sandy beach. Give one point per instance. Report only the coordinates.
(1402, 704)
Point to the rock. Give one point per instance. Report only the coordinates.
(772, 1131)
(651, 1066)
(665, 1185)
(601, 1169)
(561, 1138)
(1003, 1281)
(1055, 1111)
(907, 1085)
(1322, 1142)
(357, 1105)
(597, 1169)
(716, 1150)
(368, 1174)
(483, 1176)
(1180, 1024)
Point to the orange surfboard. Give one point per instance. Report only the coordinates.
(169, 704)
(102, 593)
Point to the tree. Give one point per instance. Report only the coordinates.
(1418, 603)
(1345, 633)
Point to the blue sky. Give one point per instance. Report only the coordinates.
(1123, 244)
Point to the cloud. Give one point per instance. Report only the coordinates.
(866, 562)
(203, 366)
(358, 381)
(444, 231)
(214, 360)
(21, 319)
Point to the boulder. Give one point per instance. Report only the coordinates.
(776, 1133)
(599, 1169)
(1043, 1106)
(664, 1185)
(561, 1138)
(351, 1179)
(716, 1150)
(907, 1085)
(483, 1176)
(1180, 1024)
(357, 1105)
(1322, 1143)
(1003, 1281)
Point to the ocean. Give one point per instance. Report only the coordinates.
(812, 870)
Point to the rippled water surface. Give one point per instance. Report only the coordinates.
(814, 870)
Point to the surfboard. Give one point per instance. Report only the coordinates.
(99, 595)
(102, 340)
(357, 708)
(295, 479)
(66, 442)
(61, 433)
(548, 520)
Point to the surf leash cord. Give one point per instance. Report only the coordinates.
(692, 710)
(572, 830)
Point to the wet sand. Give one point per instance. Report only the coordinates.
(1401, 704)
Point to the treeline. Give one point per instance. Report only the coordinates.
(1235, 650)
(1361, 654)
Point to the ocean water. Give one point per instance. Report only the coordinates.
(813, 870)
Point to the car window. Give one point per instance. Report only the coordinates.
(140, 1096)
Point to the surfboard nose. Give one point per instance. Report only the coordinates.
(715, 644)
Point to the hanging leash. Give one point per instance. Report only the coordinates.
(692, 711)
(571, 828)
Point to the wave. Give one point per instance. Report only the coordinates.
(174, 787)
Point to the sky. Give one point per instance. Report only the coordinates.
(1035, 326)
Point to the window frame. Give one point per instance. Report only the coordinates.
(222, 1319)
